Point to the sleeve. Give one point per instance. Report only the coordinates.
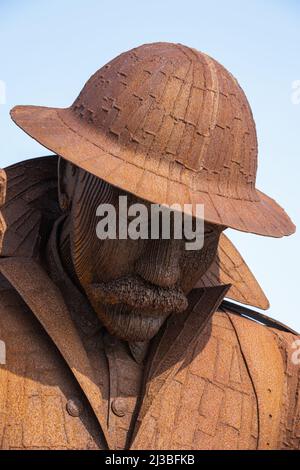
(289, 345)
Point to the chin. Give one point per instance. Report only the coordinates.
(129, 324)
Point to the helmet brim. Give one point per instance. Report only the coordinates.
(106, 159)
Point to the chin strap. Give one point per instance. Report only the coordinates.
(256, 316)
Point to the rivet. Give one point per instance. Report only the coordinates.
(74, 407)
(118, 407)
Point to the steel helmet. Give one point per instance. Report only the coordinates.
(170, 125)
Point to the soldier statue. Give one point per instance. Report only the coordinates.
(129, 343)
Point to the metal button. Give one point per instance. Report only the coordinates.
(118, 407)
(74, 407)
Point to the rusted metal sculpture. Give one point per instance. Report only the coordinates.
(126, 343)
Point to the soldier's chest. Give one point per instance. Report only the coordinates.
(120, 378)
(209, 402)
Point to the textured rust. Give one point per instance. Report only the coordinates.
(168, 124)
(125, 343)
(135, 292)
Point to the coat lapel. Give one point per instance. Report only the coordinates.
(181, 333)
(46, 302)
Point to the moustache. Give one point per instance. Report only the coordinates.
(135, 292)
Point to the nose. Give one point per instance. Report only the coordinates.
(160, 262)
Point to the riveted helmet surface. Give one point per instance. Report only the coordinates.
(170, 125)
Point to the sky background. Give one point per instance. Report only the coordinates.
(49, 50)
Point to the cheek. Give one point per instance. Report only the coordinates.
(194, 264)
(101, 260)
(116, 258)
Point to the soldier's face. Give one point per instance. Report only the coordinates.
(133, 285)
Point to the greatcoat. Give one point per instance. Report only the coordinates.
(213, 377)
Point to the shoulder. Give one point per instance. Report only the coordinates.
(258, 321)
(250, 325)
(19, 330)
(12, 308)
(272, 353)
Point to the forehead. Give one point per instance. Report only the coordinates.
(133, 199)
(112, 194)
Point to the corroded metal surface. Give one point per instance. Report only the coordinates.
(162, 122)
(170, 125)
(212, 402)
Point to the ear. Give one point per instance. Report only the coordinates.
(67, 178)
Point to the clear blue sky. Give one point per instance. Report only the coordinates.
(50, 48)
